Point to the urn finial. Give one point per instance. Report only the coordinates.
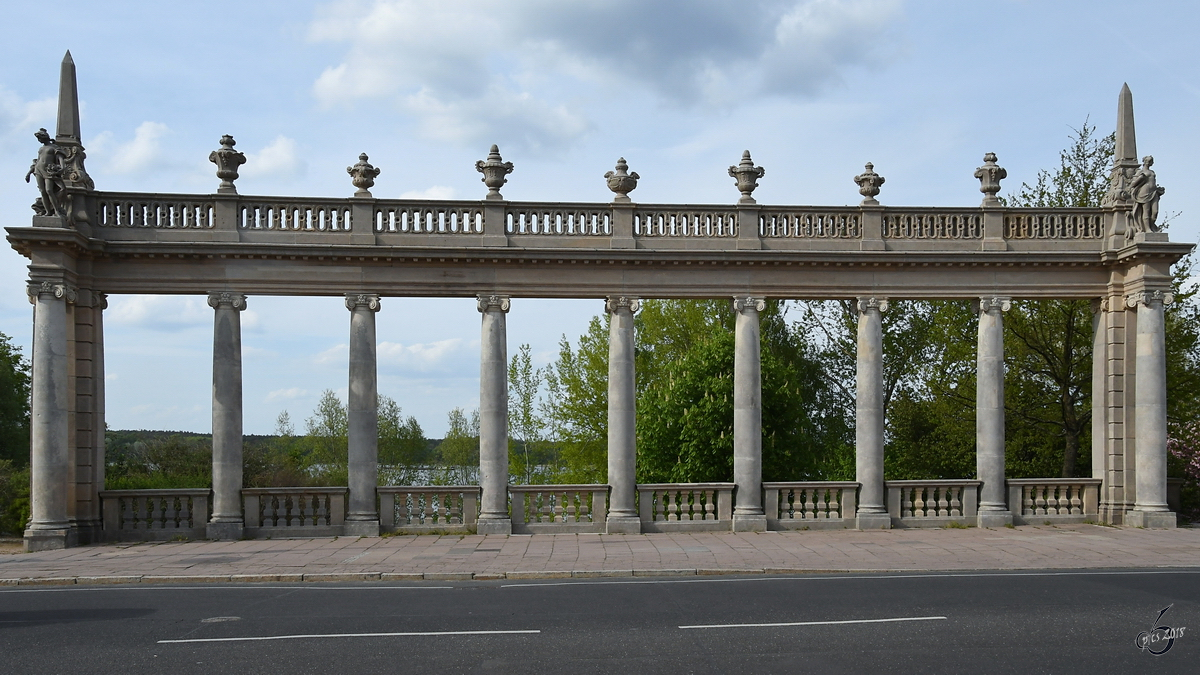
(494, 171)
(868, 185)
(363, 176)
(747, 176)
(621, 181)
(990, 175)
(227, 160)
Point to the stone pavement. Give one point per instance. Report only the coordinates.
(569, 555)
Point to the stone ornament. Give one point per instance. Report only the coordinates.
(990, 175)
(356, 300)
(227, 160)
(872, 303)
(1144, 191)
(747, 176)
(494, 171)
(100, 300)
(868, 185)
(614, 305)
(491, 303)
(742, 304)
(37, 289)
(363, 176)
(621, 181)
(48, 169)
(227, 300)
(993, 304)
(1150, 298)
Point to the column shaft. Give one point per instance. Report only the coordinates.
(362, 516)
(622, 416)
(869, 416)
(747, 417)
(989, 414)
(50, 452)
(226, 521)
(493, 417)
(1150, 506)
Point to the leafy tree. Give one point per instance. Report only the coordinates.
(402, 444)
(14, 404)
(327, 439)
(459, 450)
(576, 407)
(525, 424)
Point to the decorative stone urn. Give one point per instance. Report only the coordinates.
(990, 175)
(621, 181)
(363, 176)
(494, 171)
(868, 185)
(227, 160)
(747, 176)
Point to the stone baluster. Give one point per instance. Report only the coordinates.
(989, 413)
(748, 514)
(622, 434)
(869, 414)
(493, 417)
(49, 457)
(226, 521)
(362, 418)
(1150, 393)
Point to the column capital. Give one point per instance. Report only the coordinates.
(227, 300)
(1150, 298)
(489, 303)
(745, 303)
(614, 304)
(50, 289)
(366, 300)
(866, 304)
(993, 303)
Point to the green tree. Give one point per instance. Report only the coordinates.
(576, 405)
(402, 444)
(459, 450)
(14, 404)
(525, 423)
(326, 437)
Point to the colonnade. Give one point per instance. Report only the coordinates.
(51, 464)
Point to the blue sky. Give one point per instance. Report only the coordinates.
(813, 88)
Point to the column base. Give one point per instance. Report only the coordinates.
(994, 519)
(493, 526)
(361, 528)
(623, 525)
(225, 531)
(749, 523)
(873, 521)
(1154, 519)
(48, 540)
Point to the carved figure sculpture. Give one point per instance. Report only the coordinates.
(1144, 190)
(47, 168)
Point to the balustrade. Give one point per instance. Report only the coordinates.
(812, 505)
(415, 510)
(166, 212)
(154, 515)
(538, 509)
(294, 216)
(294, 512)
(558, 220)
(1035, 501)
(693, 222)
(787, 222)
(1064, 224)
(932, 503)
(932, 224)
(676, 507)
(428, 218)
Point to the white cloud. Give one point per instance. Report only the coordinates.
(432, 192)
(280, 159)
(141, 155)
(424, 357)
(286, 394)
(19, 118)
(158, 312)
(336, 354)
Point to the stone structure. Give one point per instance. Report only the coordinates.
(84, 244)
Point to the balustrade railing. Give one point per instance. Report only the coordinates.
(1058, 224)
(428, 217)
(932, 503)
(795, 223)
(538, 509)
(811, 505)
(294, 511)
(1035, 501)
(932, 224)
(564, 220)
(676, 507)
(685, 222)
(294, 216)
(154, 515)
(174, 212)
(420, 509)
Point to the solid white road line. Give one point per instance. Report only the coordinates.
(351, 635)
(820, 623)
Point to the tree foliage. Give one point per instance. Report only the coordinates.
(14, 404)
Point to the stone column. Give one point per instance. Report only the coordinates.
(226, 521)
(989, 413)
(869, 415)
(50, 453)
(1150, 391)
(493, 417)
(748, 513)
(622, 413)
(98, 392)
(362, 418)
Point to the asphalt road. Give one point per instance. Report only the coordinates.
(989, 622)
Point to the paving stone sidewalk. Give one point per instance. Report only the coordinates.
(584, 555)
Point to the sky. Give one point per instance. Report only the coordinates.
(813, 88)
